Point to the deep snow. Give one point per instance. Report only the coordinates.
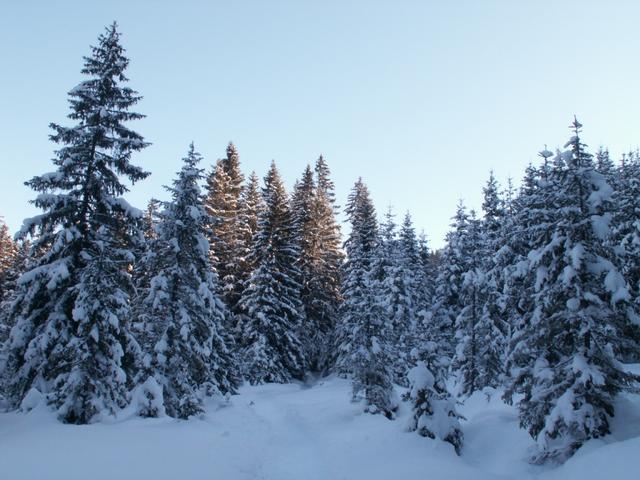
(283, 432)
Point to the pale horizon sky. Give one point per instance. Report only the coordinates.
(420, 98)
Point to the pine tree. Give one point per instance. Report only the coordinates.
(428, 262)
(223, 203)
(71, 336)
(270, 347)
(605, 166)
(531, 224)
(150, 219)
(625, 237)
(395, 291)
(362, 337)
(492, 206)
(495, 257)
(415, 276)
(581, 308)
(8, 254)
(447, 302)
(324, 182)
(12, 265)
(251, 206)
(305, 232)
(186, 353)
(10, 279)
(325, 284)
(319, 261)
(509, 194)
(141, 274)
(467, 356)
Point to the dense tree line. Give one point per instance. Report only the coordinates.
(231, 280)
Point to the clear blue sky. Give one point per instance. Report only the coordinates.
(420, 98)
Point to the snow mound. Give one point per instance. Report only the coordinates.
(31, 400)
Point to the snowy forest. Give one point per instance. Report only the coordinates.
(233, 280)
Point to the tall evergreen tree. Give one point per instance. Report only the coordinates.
(71, 337)
(530, 224)
(319, 261)
(605, 166)
(428, 261)
(581, 307)
(186, 354)
(447, 302)
(305, 231)
(151, 218)
(325, 184)
(251, 206)
(625, 238)
(495, 257)
(395, 290)
(8, 255)
(362, 337)
(223, 203)
(416, 279)
(271, 349)
(325, 286)
(466, 360)
(13, 258)
(428, 326)
(141, 274)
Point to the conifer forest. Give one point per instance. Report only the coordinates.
(229, 289)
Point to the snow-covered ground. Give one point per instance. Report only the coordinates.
(282, 432)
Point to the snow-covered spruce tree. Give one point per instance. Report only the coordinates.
(20, 264)
(493, 256)
(446, 304)
(325, 286)
(270, 348)
(428, 262)
(11, 266)
(530, 224)
(141, 274)
(362, 336)
(605, 166)
(360, 246)
(466, 362)
(223, 204)
(581, 308)
(318, 237)
(415, 266)
(186, 353)
(509, 194)
(395, 292)
(434, 408)
(251, 206)
(492, 208)
(8, 255)
(495, 260)
(478, 342)
(305, 231)
(625, 238)
(71, 338)
(150, 219)
(429, 326)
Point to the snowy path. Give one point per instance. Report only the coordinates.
(287, 432)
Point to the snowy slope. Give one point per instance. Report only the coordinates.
(282, 432)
